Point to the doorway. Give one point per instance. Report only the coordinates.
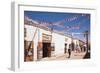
(46, 49)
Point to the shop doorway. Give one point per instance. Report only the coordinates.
(46, 49)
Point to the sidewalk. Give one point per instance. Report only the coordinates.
(65, 56)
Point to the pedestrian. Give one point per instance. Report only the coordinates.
(69, 51)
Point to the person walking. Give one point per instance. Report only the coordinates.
(69, 51)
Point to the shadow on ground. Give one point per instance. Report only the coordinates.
(87, 55)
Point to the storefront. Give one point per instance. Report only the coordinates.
(44, 47)
(46, 39)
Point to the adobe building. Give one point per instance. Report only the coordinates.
(43, 42)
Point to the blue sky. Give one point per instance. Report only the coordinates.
(68, 20)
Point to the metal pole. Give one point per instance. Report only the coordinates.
(87, 40)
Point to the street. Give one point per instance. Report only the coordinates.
(74, 55)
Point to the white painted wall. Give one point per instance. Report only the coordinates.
(29, 32)
(59, 41)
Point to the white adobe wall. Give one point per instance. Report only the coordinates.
(30, 32)
(59, 41)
